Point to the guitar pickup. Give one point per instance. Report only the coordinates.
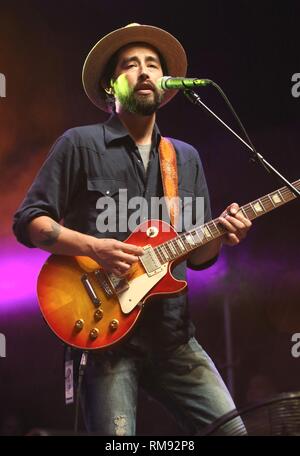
(150, 261)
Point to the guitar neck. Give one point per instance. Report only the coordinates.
(190, 240)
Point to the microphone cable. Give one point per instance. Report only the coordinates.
(194, 98)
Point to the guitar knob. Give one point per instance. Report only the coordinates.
(78, 325)
(98, 314)
(94, 333)
(114, 324)
(152, 231)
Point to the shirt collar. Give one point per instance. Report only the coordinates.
(114, 129)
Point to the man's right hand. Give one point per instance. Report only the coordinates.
(115, 256)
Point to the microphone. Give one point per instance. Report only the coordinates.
(168, 82)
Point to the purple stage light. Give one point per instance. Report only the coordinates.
(208, 277)
(19, 269)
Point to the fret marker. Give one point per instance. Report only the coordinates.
(258, 207)
(276, 198)
(189, 239)
(206, 232)
(198, 238)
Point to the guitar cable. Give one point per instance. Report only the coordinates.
(81, 370)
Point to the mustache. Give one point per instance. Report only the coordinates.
(145, 86)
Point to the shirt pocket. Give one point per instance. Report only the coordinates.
(107, 199)
(107, 187)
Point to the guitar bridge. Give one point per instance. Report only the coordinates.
(103, 282)
(119, 284)
(110, 283)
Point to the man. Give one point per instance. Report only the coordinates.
(120, 75)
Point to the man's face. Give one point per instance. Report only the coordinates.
(137, 71)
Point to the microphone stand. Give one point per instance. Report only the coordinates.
(256, 157)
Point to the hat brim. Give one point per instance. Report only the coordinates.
(97, 59)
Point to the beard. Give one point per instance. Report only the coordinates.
(140, 104)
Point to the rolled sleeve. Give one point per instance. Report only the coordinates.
(200, 267)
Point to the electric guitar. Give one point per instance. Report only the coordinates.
(88, 308)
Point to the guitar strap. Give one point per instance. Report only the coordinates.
(169, 174)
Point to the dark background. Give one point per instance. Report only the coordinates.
(251, 49)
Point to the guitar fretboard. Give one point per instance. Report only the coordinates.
(190, 240)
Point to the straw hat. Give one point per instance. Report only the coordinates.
(97, 59)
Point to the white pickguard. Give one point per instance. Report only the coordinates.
(138, 288)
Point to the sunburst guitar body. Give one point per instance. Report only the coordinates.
(90, 309)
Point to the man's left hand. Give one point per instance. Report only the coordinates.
(236, 224)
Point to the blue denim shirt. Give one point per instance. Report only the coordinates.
(88, 162)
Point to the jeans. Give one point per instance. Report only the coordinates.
(185, 381)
